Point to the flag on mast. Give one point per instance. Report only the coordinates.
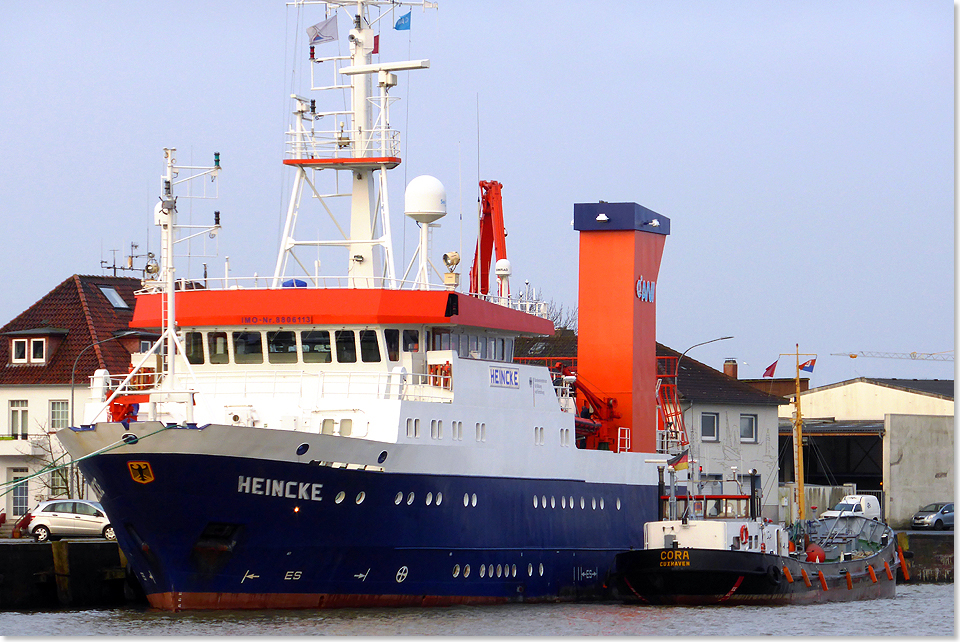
(808, 365)
(770, 369)
(403, 22)
(322, 32)
(680, 461)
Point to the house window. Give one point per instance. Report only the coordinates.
(748, 428)
(59, 414)
(18, 419)
(18, 351)
(20, 491)
(38, 350)
(710, 426)
(58, 483)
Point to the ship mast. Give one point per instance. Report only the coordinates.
(798, 445)
(357, 141)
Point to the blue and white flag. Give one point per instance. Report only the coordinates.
(403, 22)
(322, 32)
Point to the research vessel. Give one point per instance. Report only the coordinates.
(367, 438)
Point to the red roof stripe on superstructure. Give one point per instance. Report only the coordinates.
(307, 306)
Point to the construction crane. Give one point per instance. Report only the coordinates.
(946, 355)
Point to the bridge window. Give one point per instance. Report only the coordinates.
(346, 346)
(247, 347)
(369, 347)
(193, 345)
(411, 341)
(217, 346)
(391, 337)
(316, 346)
(282, 346)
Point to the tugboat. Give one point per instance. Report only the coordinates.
(744, 559)
(359, 438)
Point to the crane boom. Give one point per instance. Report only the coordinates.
(927, 356)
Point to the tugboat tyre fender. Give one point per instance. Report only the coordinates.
(773, 575)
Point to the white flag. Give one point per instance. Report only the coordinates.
(321, 32)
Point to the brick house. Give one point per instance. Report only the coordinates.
(47, 355)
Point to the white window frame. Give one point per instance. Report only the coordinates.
(43, 350)
(19, 419)
(755, 438)
(13, 351)
(59, 414)
(716, 426)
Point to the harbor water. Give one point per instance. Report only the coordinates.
(918, 610)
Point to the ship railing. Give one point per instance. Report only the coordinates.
(301, 385)
(343, 143)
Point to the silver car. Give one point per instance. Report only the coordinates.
(67, 518)
(937, 516)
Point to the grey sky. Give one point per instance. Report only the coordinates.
(804, 151)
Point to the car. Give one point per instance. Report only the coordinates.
(857, 505)
(57, 518)
(938, 515)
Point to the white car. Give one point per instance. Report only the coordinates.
(856, 505)
(67, 518)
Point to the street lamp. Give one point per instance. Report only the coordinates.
(73, 373)
(676, 382)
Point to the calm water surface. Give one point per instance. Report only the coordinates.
(923, 609)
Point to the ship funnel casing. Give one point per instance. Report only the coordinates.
(425, 199)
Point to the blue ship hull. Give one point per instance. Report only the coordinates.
(205, 531)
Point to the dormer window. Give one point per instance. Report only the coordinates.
(28, 351)
(38, 350)
(18, 351)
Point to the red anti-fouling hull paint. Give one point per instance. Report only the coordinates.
(175, 601)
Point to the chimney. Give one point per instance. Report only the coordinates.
(730, 368)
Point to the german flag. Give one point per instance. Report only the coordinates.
(680, 461)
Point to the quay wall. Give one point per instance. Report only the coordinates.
(932, 560)
(65, 573)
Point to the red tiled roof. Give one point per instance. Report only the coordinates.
(78, 306)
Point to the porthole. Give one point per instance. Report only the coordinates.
(466, 571)
(553, 502)
(473, 499)
(302, 448)
(483, 571)
(513, 570)
(571, 501)
(410, 498)
(429, 498)
(361, 496)
(530, 570)
(398, 498)
(439, 498)
(601, 503)
(541, 570)
(340, 497)
(618, 503)
(499, 570)
(466, 499)
(582, 504)
(593, 503)
(543, 499)
(563, 502)
(536, 502)
(490, 570)
(456, 570)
